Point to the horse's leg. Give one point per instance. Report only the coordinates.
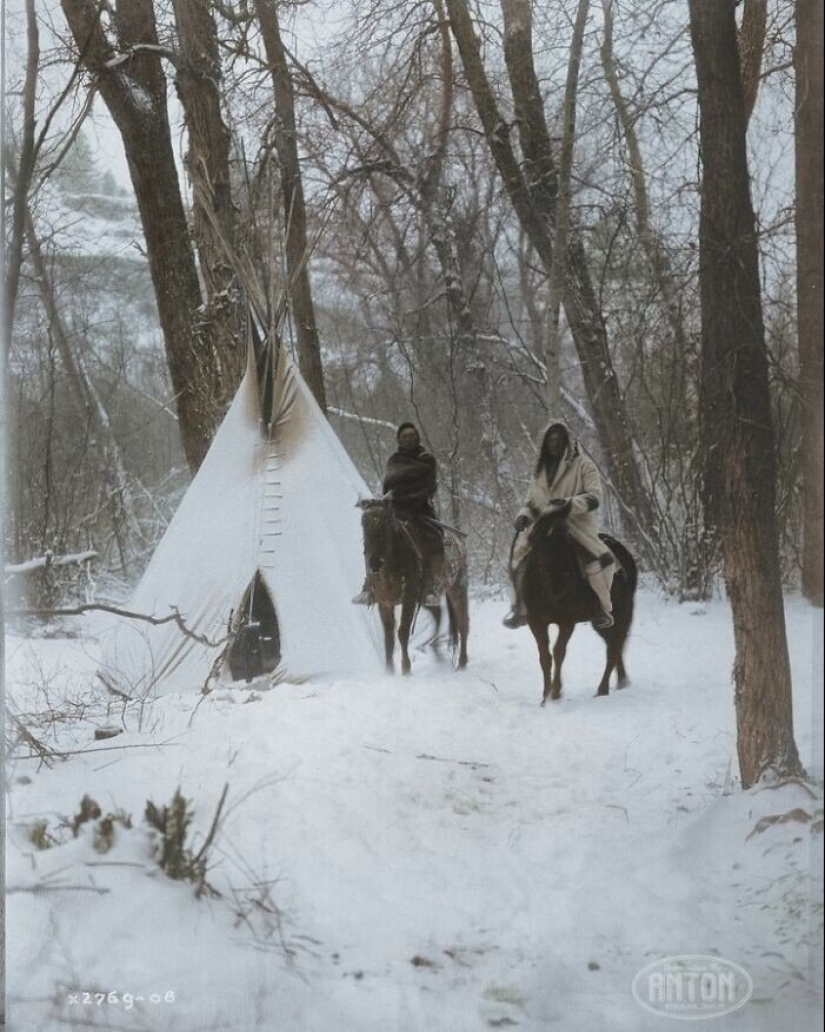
(559, 652)
(463, 618)
(435, 613)
(405, 627)
(388, 622)
(541, 634)
(616, 649)
(614, 641)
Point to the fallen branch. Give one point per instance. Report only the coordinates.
(99, 607)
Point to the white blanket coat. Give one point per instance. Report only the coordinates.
(576, 480)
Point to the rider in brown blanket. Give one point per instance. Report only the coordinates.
(410, 481)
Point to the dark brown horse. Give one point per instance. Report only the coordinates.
(556, 592)
(394, 554)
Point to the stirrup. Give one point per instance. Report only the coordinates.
(603, 622)
(363, 598)
(431, 599)
(515, 619)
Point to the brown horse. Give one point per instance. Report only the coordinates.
(556, 592)
(394, 555)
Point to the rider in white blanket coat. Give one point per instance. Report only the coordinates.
(566, 481)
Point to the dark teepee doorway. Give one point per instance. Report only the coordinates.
(256, 648)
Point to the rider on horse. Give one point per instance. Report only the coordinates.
(566, 482)
(410, 481)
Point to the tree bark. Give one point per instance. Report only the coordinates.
(751, 50)
(292, 191)
(809, 266)
(735, 371)
(125, 63)
(533, 196)
(198, 77)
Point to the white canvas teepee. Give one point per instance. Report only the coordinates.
(276, 502)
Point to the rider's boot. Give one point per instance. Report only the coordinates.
(517, 617)
(599, 582)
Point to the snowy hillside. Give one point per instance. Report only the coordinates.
(433, 852)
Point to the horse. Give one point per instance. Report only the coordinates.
(555, 591)
(394, 561)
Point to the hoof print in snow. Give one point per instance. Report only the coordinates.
(593, 966)
(107, 732)
(501, 1022)
(424, 962)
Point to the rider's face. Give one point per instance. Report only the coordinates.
(408, 439)
(556, 445)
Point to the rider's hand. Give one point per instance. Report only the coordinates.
(561, 506)
(521, 523)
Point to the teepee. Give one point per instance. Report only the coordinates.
(261, 558)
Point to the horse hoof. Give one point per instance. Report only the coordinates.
(543, 701)
(601, 694)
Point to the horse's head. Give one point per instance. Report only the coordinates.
(376, 524)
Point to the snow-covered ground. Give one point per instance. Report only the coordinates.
(423, 853)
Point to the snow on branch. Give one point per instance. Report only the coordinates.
(45, 561)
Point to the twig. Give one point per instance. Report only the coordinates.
(444, 759)
(57, 888)
(214, 827)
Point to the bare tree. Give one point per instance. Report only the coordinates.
(809, 228)
(735, 371)
(558, 267)
(198, 79)
(292, 192)
(89, 405)
(533, 194)
(21, 180)
(123, 55)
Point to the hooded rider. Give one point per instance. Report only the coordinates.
(411, 481)
(565, 482)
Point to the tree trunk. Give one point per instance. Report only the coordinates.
(533, 196)
(292, 191)
(751, 49)
(198, 77)
(558, 267)
(13, 255)
(735, 371)
(809, 262)
(133, 86)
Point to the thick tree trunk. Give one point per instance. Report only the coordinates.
(533, 196)
(751, 49)
(198, 78)
(809, 259)
(735, 371)
(292, 191)
(132, 83)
